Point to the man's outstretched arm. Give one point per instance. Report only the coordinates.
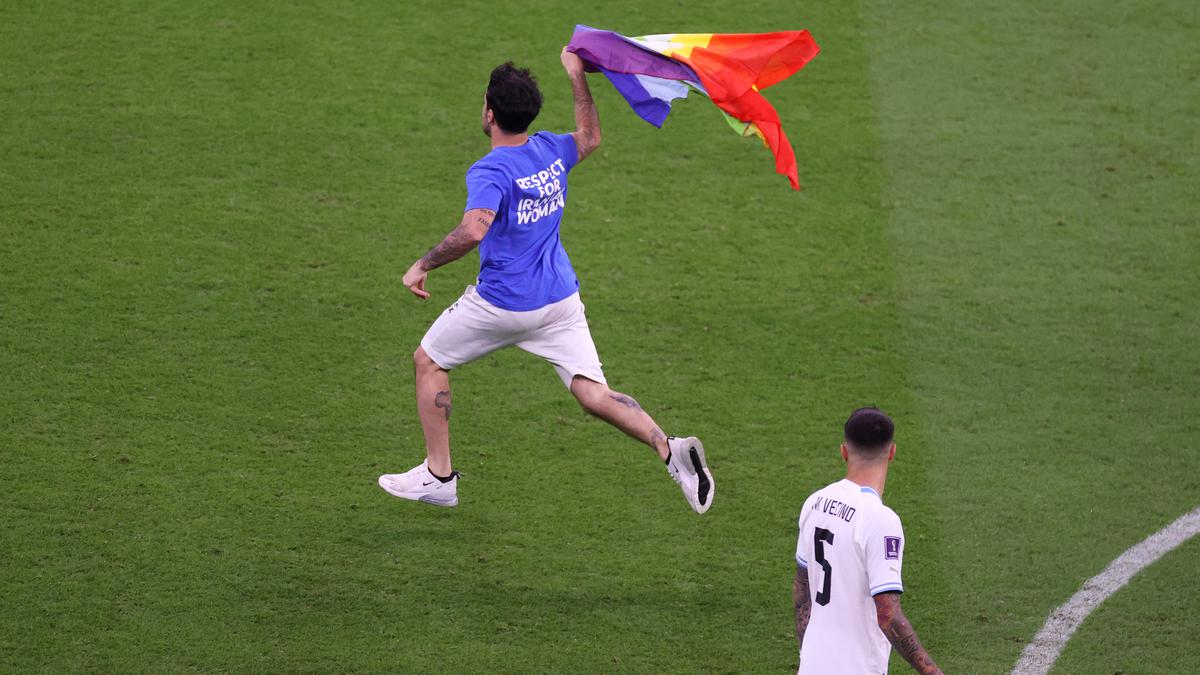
(900, 633)
(587, 120)
(802, 603)
(459, 242)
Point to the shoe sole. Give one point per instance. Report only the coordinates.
(424, 497)
(430, 499)
(705, 488)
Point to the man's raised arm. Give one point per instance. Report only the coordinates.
(459, 242)
(587, 120)
(900, 633)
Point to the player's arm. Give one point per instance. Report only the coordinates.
(587, 120)
(900, 633)
(459, 242)
(802, 602)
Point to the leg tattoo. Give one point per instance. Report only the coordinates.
(626, 401)
(656, 435)
(442, 400)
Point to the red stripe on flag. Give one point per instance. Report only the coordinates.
(732, 66)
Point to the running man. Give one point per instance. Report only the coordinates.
(847, 588)
(526, 294)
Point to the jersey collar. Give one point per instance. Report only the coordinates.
(864, 488)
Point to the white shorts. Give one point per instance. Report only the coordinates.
(472, 328)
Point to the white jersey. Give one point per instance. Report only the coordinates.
(852, 547)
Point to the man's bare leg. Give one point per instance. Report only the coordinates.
(619, 410)
(433, 407)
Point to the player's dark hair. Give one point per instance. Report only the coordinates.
(514, 97)
(869, 431)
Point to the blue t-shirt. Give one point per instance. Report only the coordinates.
(522, 263)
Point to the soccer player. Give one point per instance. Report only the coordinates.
(526, 294)
(847, 587)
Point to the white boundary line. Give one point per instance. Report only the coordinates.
(1040, 654)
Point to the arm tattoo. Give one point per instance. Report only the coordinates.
(900, 633)
(485, 219)
(458, 243)
(587, 120)
(626, 401)
(442, 400)
(802, 603)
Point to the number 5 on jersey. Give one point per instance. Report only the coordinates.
(821, 536)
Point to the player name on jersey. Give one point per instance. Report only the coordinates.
(834, 508)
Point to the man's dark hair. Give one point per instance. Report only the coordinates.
(514, 98)
(869, 431)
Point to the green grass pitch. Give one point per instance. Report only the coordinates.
(206, 209)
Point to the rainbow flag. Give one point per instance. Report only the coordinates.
(730, 68)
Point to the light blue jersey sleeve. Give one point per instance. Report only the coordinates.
(884, 553)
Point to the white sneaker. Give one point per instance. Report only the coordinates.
(687, 467)
(420, 485)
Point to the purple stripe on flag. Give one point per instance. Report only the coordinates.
(606, 50)
(650, 108)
